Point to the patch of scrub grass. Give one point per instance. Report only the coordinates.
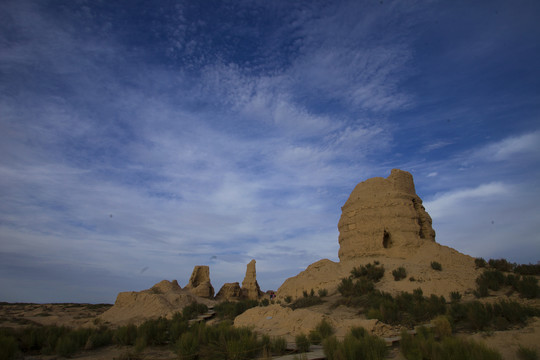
(357, 344)
(399, 273)
(302, 343)
(525, 353)
(423, 346)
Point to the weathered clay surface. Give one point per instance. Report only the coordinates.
(229, 291)
(165, 286)
(250, 287)
(163, 299)
(383, 214)
(199, 282)
(384, 220)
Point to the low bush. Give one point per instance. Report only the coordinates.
(231, 309)
(321, 332)
(102, 337)
(492, 279)
(528, 287)
(399, 273)
(153, 332)
(125, 335)
(264, 302)
(424, 346)
(455, 296)
(358, 344)
(218, 342)
(501, 265)
(441, 326)
(436, 266)
(187, 346)
(193, 310)
(349, 287)
(288, 299)
(304, 302)
(322, 292)
(278, 345)
(524, 353)
(405, 308)
(481, 290)
(512, 280)
(8, 347)
(480, 263)
(370, 271)
(527, 269)
(302, 343)
(477, 316)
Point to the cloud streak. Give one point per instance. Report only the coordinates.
(134, 152)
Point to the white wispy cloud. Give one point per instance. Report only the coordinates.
(454, 201)
(511, 147)
(120, 163)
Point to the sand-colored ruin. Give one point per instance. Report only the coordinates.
(383, 220)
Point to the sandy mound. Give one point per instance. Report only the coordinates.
(275, 320)
(163, 299)
(384, 220)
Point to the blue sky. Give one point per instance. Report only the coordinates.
(139, 139)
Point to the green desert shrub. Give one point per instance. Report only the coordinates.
(239, 344)
(405, 308)
(322, 292)
(288, 299)
(231, 309)
(425, 347)
(370, 271)
(493, 279)
(349, 287)
(264, 302)
(441, 326)
(8, 347)
(480, 263)
(436, 266)
(193, 310)
(187, 346)
(66, 346)
(399, 273)
(177, 326)
(528, 287)
(278, 345)
(501, 265)
(527, 269)
(477, 316)
(455, 296)
(512, 280)
(100, 338)
(125, 335)
(323, 330)
(481, 290)
(358, 344)
(302, 343)
(304, 302)
(525, 353)
(153, 332)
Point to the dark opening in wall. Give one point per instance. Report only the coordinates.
(417, 207)
(387, 241)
